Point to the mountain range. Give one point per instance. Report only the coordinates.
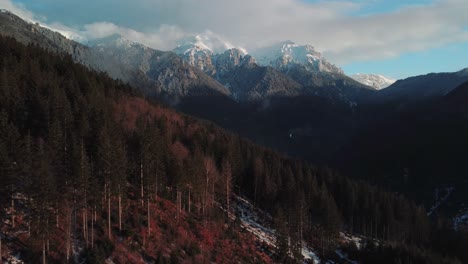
(206, 65)
(196, 68)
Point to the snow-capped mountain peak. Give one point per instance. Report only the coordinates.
(207, 42)
(201, 50)
(373, 80)
(116, 41)
(288, 53)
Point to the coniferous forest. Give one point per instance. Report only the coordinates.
(85, 157)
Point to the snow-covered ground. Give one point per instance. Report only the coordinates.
(14, 260)
(461, 218)
(258, 223)
(357, 241)
(342, 255)
(441, 200)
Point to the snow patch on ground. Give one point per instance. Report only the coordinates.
(357, 241)
(310, 255)
(77, 250)
(441, 200)
(255, 221)
(258, 223)
(342, 255)
(14, 259)
(461, 218)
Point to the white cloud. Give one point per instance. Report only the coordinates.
(165, 37)
(327, 25)
(17, 9)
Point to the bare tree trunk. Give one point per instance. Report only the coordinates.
(179, 204)
(228, 196)
(13, 213)
(149, 216)
(92, 227)
(57, 218)
(43, 252)
(120, 211)
(108, 218)
(189, 200)
(85, 217)
(142, 191)
(205, 209)
(47, 241)
(68, 235)
(255, 191)
(1, 248)
(156, 188)
(212, 194)
(87, 228)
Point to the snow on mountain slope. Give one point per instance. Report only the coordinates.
(202, 51)
(199, 50)
(373, 80)
(208, 41)
(288, 53)
(258, 223)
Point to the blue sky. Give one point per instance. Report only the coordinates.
(394, 38)
(446, 58)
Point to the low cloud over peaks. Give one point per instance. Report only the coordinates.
(334, 27)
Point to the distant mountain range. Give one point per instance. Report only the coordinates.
(284, 69)
(377, 81)
(422, 87)
(202, 66)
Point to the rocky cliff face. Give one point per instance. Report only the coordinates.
(229, 60)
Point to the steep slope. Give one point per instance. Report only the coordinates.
(28, 33)
(152, 71)
(97, 172)
(201, 51)
(423, 87)
(376, 81)
(236, 70)
(254, 83)
(308, 72)
(305, 65)
(416, 149)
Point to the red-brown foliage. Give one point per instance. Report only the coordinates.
(129, 109)
(187, 238)
(179, 151)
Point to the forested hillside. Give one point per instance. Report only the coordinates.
(85, 158)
